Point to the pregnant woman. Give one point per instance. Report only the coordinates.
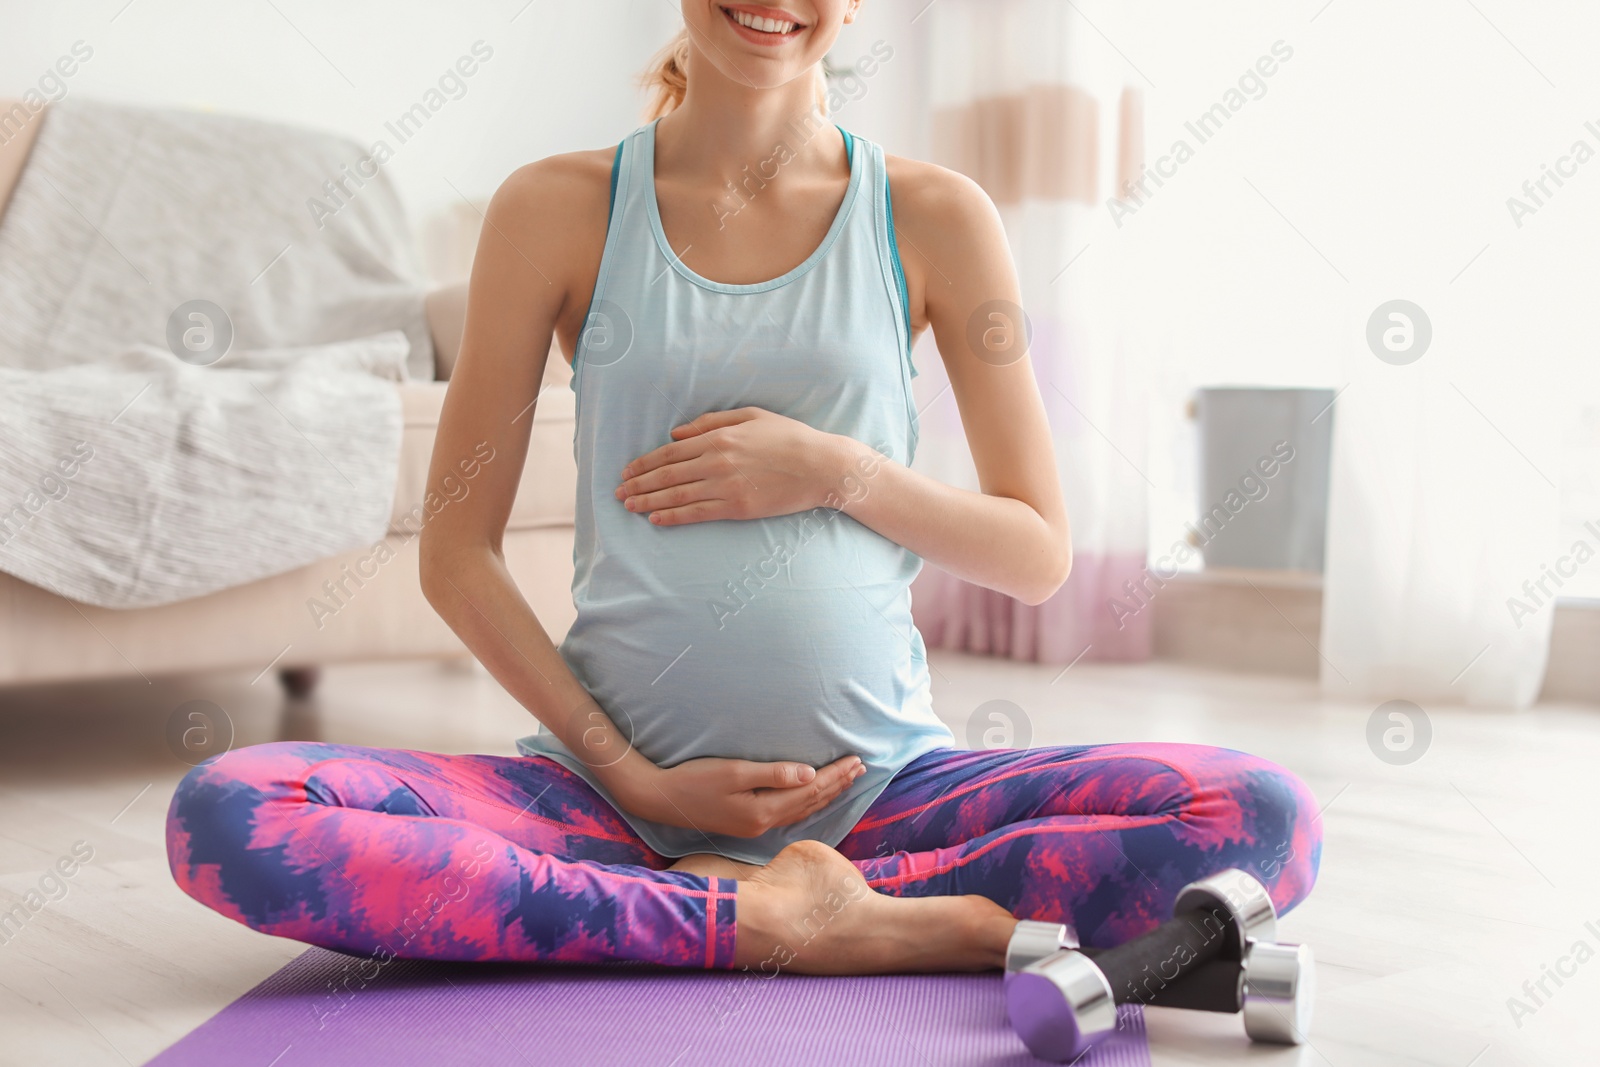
(738, 763)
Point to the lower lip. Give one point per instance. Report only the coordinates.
(771, 40)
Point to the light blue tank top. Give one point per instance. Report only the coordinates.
(787, 638)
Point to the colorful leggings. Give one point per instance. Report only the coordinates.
(412, 854)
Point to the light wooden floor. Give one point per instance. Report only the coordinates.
(1445, 884)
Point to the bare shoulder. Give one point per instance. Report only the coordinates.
(557, 195)
(952, 242)
(545, 228)
(932, 199)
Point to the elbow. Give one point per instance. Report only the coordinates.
(434, 572)
(447, 564)
(1051, 576)
(431, 576)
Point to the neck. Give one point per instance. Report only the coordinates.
(724, 125)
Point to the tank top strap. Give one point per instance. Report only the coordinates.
(629, 186)
(878, 224)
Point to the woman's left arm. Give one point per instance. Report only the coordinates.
(1012, 536)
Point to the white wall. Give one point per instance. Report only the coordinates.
(1376, 165)
(563, 75)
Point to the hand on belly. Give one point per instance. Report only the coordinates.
(748, 463)
(738, 798)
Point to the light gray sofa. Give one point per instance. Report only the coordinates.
(269, 624)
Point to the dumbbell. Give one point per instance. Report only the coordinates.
(1033, 941)
(1215, 954)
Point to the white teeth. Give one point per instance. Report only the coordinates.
(764, 25)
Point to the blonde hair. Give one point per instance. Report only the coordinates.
(666, 79)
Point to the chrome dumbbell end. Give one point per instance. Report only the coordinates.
(1242, 897)
(1277, 981)
(1033, 941)
(1279, 984)
(1060, 1005)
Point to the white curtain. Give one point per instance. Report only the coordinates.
(1030, 107)
(1444, 513)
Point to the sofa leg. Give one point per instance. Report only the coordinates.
(299, 682)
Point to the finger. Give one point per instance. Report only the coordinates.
(779, 775)
(835, 779)
(845, 765)
(676, 452)
(699, 511)
(689, 470)
(785, 806)
(676, 496)
(713, 420)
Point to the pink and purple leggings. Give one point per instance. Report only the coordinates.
(418, 855)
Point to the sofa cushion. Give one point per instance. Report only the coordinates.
(548, 489)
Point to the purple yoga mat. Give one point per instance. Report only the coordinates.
(327, 1008)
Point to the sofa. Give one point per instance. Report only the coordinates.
(269, 625)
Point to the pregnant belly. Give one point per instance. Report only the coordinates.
(778, 674)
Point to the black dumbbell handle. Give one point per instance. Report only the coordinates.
(1150, 964)
(1212, 986)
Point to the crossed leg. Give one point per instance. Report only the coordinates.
(392, 853)
(1100, 836)
(418, 855)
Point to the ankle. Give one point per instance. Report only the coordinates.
(988, 932)
(755, 924)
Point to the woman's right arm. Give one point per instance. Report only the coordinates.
(534, 271)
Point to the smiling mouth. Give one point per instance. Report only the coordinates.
(760, 28)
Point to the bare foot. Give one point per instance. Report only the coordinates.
(810, 911)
